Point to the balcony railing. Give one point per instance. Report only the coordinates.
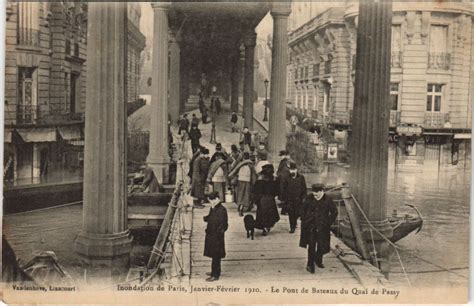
(394, 118)
(28, 37)
(435, 119)
(396, 59)
(26, 114)
(439, 60)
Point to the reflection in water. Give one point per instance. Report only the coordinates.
(443, 201)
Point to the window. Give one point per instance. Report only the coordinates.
(296, 73)
(296, 97)
(327, 66)
(434, 97)
(76, 49)
(316, 69)
(394, 90)
(28, 23)
(27, 95)
(315, 97)
(396, 38)
(439, 38)
(302, 72)
(396, 56)
(439, 57)
(68, 47)
(67, 92)
(73, 92)
(326, 97)
(306, 69)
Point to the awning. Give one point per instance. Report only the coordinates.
(37, 134)
(7, 136)
(70, 132)
(462, 136)
(438, 133)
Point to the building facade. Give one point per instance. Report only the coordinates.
(431, 78)
(45, 88)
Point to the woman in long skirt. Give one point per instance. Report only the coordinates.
(265, 191)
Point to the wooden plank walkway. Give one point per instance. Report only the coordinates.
(275, 258)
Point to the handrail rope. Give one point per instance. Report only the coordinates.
(372, 226)
(162, 258)
(381, 235)
(170, 238)
(375, 250)
(403, 268)
(177, 260)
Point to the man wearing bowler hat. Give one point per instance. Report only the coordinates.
(293, 192)
(317, 214)
(214, 243)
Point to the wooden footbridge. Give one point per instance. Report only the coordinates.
(275, 259)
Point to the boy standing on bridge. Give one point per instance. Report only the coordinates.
(214, 243)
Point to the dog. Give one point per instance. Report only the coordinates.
(249, 223)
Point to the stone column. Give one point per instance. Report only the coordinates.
(235, 76)
(104, 237)
(277, 125)
(158, 158)
(184, 84)
(370, 123)
(175, 75)
(250, 41)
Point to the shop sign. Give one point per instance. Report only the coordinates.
(409, 130)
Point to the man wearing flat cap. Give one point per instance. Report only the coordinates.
(293, 191)
(317, 214)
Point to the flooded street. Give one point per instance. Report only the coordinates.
(443, 243)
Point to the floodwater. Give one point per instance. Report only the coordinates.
(439, 254)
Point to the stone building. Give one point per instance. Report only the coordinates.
(431, 75)
(45, 88)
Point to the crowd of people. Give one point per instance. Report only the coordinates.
(257, 185)
(245, 175)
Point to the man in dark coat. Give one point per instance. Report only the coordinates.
(247, 136)
(198, 184)
(282, 173)
(220, 151)
(194, 120)
(293, 191)
(195, 136)
(183, 124)
(214, 243)
(233, 121)
(317, 215)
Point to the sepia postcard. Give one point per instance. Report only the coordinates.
(236, 152)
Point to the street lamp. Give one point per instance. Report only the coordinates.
(265, 115)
